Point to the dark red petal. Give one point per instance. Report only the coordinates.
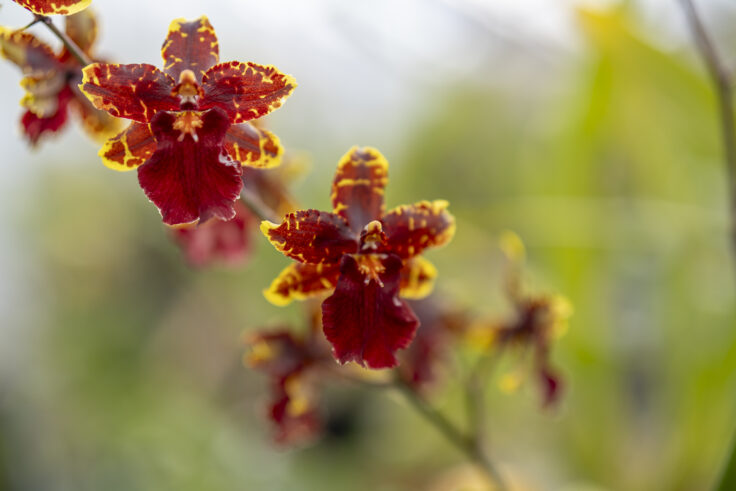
(364, 320)
(360, 181)
(135, 91)
(299, 281)
(191, 180)
(294, 424)
(49, 7)
(32, 56)
(245, 90)
(551, 386)
(412, 228)
(439, 327)
(130, 148)
(419, 364)
(82, 29)
(311, 236)
(34, 127)
(217, 240)
(190, 46)
(254, 147)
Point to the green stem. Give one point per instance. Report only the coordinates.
(258, 207)
(69, 44)
(469, 445)
(29, 25)
(723, 86)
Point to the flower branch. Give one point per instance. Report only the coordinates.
(722, 80)
(470, 444)
(69, 44)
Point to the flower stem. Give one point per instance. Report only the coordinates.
(69, 44)
(469, 445)
(722, 81)
(29, 25)
(258, 207)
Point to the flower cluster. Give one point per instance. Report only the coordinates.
(205, 162)
(189, 137)
(365, 256)
(50, 80)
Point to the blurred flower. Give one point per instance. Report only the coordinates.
(467, 477)
(185, 139)
(231, 241)
(228, 241)
(367, 255)
(537, 321)
(439, 326)
(49, 7)
(292, 362)
(51, 80)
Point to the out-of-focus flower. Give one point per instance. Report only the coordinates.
(50, 80)
(536, 322)
(231, 241)
(440, 325)
(367, 255)
(467, 477)
(228, 241)
(50, 7)
(292, 362)
(189, 135)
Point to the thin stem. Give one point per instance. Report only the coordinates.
(723, 84)
(468, 445)
(257, 206)
(475, 398)
(29, 25)
(69, 44)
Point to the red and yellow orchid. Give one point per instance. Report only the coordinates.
(189, 135)
(538, 320)
(50, 80)
(293, 362)
(50, 7)
(366, 255)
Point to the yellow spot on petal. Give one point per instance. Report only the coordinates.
(512, 246)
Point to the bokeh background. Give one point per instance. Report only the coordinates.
(589, 128)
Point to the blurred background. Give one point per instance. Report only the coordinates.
(588, 127)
